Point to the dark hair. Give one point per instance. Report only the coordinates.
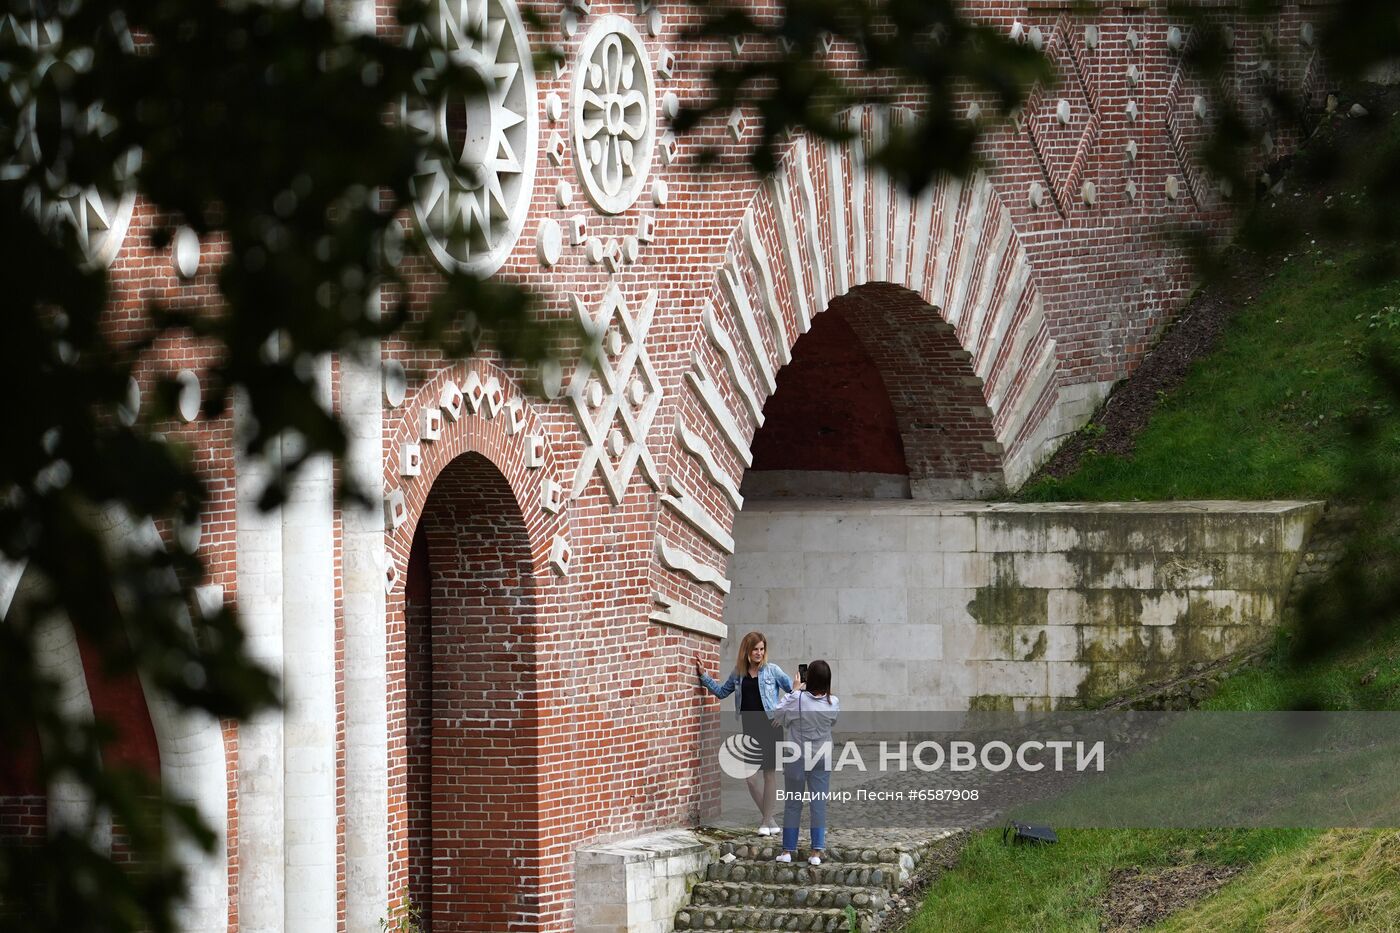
(818, 677)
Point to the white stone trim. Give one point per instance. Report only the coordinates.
(696, 446)
(720, 338)
(681, 616)
(261, 827)
(678, 500)
(719, 412)
(673, 558)
(758, 255)
(309, 713)
(366, 655)
(732, 282)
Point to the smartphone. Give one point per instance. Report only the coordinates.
(802, 673)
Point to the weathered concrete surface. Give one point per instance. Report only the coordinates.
(956, 605)
(637, 885)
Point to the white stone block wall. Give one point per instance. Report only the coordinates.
(925, 605)
(637, 885)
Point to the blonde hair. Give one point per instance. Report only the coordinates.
(741, 663)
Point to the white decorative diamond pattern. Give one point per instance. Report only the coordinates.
(614, 392)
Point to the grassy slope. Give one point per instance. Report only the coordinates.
(1298, 879)
(1266, 415)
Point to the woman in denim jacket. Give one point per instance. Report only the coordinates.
(758, 687)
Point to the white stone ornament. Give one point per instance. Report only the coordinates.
(1089, 193)
(1037, 38)
(471, 204)
(100, 221)
(1132, 111)
(190, 397)
(1063, 112)
(613, 114)
(974, 112)
(1173, 188)
(655, 22)
(559, 554)
(1017, 32)
(534, 451)
(1306, 35)
(665, 64)
(550, 379)
(568, 23)
(736, 124)
(631, 249)
(1174, 39)
(450, 400)
(1198, 107)
(474, 392)
(1132, 75)
(410, 460)
(646, 228)
(563, 193)
(551, 496)
(660, 192)
(430, 424)
(1133, 39)
(612, 255)
(395, 509)
(549, 242)
(391, 574)
(1131, 190)
(208, 599)
(515, 416)
(1036, 194)
(1131, 150)
(670, 105)
(601, 410)
(129, 409)
(557, 149)
(185, 253)
(1091, 37)
(395, 382)
(578, 229)
(593, 250)
(553, 107)
(669, 148)
(495, 397)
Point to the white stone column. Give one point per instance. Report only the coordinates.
(261, 860)
(308, 641)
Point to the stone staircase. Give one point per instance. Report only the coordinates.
(746, 890)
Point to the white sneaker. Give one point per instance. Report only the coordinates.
(765, 830)
(775, 829)
(784, 858)
(814, 860)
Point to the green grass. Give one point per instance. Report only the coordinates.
(1291, 873)
(1266, 415)
(997, 887)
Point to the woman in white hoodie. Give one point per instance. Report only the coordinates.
(807, 715)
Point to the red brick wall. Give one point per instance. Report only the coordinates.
(832, 410)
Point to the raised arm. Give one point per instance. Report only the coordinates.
(720, 690)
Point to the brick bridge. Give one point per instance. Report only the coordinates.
(497, 670)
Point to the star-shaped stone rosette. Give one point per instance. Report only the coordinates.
(615, 393)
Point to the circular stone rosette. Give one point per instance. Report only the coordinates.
(614, 114)
(472, 189)
(100, 218)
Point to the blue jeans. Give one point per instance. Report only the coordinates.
(815, 781)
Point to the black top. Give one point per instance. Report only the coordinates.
(750, 700)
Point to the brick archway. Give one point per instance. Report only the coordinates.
(944, 297)
(472, 721)
(477, 556)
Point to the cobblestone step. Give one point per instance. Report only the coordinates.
(752, 918)
(889, 875)
(737, 894)
(846, 855)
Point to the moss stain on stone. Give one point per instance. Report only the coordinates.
(990, 703)
(1006, 603)
(1038, 649)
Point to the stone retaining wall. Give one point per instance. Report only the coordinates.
(957, 605)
